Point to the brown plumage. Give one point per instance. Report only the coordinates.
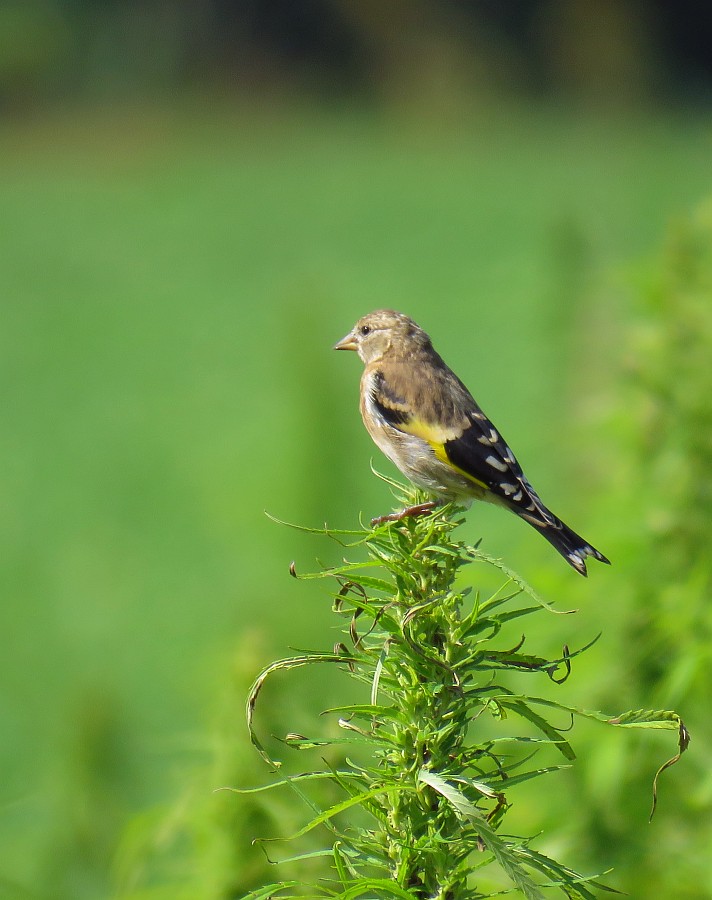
(425, 420)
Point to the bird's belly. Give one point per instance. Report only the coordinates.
(416, 459)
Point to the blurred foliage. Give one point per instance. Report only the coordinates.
(202, 845)
(671, 366)
(664, 504)
(415, 52)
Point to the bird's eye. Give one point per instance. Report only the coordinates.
(365, 329)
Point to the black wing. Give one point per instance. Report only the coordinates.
(482, 454)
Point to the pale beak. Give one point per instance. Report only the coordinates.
(347, 343)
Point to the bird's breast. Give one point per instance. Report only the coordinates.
(411, 454)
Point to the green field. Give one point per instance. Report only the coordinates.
(172, 284)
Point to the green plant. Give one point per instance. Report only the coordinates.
(658, 497)
(672, 379)
(446, 736)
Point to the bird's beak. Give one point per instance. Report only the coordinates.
(347, 343)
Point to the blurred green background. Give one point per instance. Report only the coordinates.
(197, 199)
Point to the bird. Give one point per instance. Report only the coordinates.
(427, 423)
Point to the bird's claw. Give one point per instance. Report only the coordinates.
(419, 509)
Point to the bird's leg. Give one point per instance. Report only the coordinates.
(419, 510)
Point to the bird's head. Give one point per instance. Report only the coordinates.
(383, 331)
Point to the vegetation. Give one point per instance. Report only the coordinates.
(451, 732)
(663, 448)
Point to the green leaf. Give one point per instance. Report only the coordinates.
(326, 531)
(563, 876)
(337, 808)
(520, 707)
(368, 711)
(476, 554)
(271, 890)
(340, 864)
(513, 780)
(649, 718)
(288, 663)
(378, 886)
(305, 776)
(499, 848)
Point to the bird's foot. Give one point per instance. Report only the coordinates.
(419, 510)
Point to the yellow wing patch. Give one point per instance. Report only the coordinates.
(433, 434)
(437, 437)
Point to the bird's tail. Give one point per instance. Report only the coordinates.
(570, 545)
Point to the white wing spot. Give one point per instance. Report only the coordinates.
(517, 496)
(509, 488)
(494, 437)
(483, 439)
(497, 464)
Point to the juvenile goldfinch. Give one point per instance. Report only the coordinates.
(425, 420)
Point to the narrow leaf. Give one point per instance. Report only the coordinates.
(289, 663)
(499, 848)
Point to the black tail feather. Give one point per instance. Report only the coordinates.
(570, 545)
